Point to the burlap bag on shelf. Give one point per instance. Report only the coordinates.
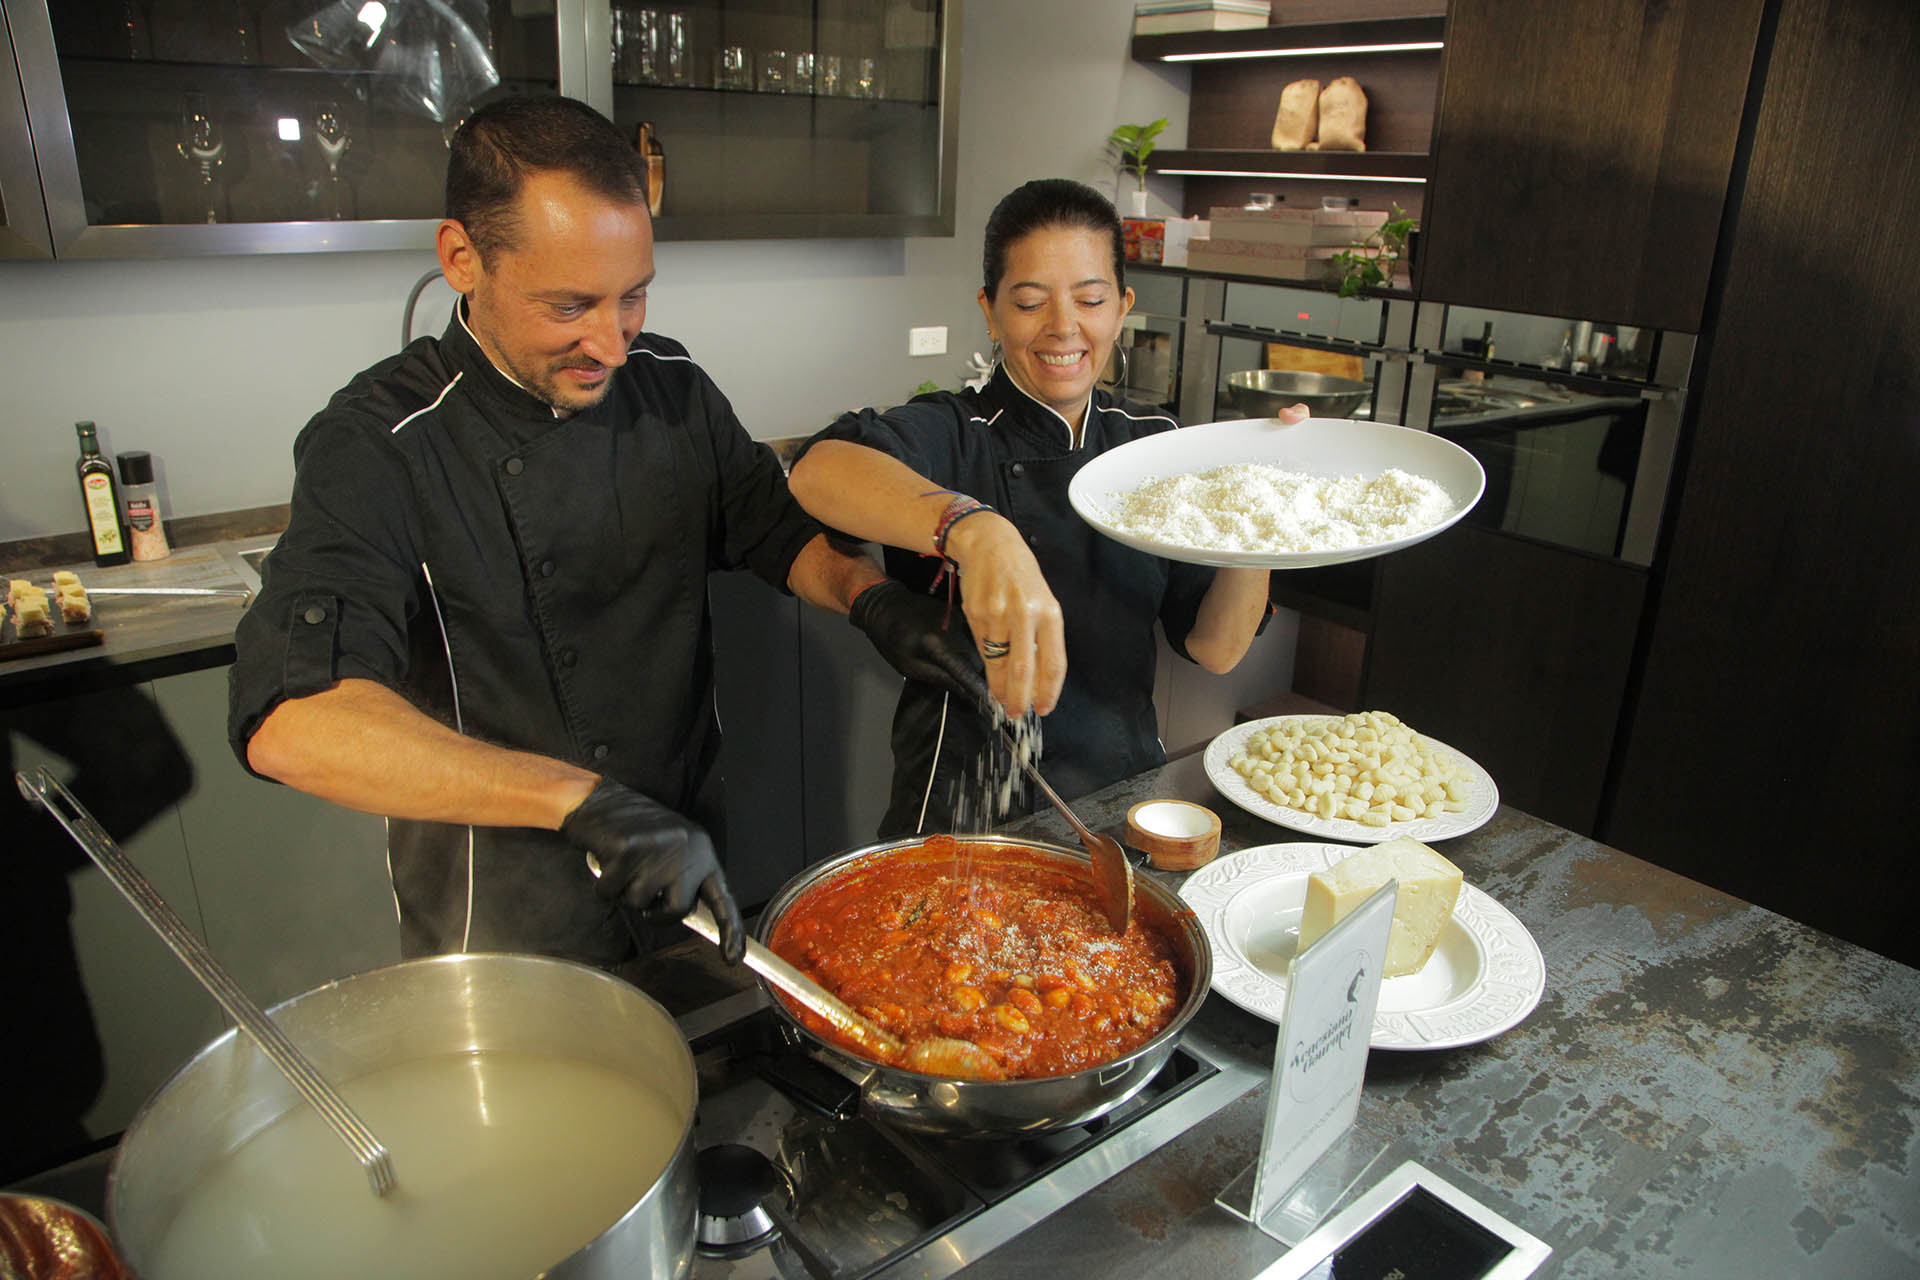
(1343, 116)
(1299, 115)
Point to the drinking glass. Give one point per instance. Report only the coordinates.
(730, 68)
(826, 76)
(331, 135)
(774, 70)
(201, 143)
(675, 61)
(636, 46)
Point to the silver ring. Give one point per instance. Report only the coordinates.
(995, 648)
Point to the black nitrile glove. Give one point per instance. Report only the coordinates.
(907, 628)
(653, 860)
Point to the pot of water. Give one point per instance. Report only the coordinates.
(539, 1114)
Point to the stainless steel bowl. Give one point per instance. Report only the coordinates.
(984, 1108)
(1262, 393)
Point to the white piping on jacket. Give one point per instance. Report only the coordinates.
(459, 726)
(939, 741)
(394, 430)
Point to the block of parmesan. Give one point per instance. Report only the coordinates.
(1429, 887)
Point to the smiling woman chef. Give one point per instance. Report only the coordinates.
(487, 618)
(1063, 616)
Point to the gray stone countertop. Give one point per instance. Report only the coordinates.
(1706, 1088)
(142, 636)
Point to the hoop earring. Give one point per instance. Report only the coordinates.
(1120, 381)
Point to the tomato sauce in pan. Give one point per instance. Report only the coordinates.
(984, 943)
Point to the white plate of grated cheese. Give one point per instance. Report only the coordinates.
(1258, 493)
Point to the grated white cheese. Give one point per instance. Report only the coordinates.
(1253, 506)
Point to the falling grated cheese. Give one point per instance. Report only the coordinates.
(1264, 508)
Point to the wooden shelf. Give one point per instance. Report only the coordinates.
(1259, 42)
(1266, 162)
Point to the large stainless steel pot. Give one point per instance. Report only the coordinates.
(422, 1008)
(967, 1108)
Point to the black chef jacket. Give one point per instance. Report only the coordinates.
(534, 582)
(1012, 452)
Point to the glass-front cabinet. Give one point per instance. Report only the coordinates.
(789, 117)
(157, 128)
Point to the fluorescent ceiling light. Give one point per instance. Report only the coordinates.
(1305, 53)
(1267, 173)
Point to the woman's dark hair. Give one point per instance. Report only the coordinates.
(1045, 203)
(506, 140)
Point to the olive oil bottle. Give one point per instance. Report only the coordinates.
(101, 498)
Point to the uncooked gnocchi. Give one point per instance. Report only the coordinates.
(1366, 767)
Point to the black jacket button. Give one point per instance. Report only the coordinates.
(546, 568)
(600, 752)
(568, 657)
(1018, 468)
(515, 466)
(314, 615)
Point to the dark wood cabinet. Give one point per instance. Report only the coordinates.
(1582, 153)
(1774, 746)
(1515, 652)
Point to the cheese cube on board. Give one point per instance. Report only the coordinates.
(1429, 887)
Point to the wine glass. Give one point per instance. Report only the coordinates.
(330, 134)
(201, 143)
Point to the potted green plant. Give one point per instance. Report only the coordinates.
(1130, 145)
(1371, 263)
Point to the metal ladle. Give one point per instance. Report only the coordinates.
(43, 791)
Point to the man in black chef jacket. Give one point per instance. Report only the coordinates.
(487, 619)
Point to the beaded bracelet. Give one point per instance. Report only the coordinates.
(957, 510)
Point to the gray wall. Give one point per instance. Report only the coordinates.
(213, 364)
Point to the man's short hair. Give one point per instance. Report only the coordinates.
(508, 139)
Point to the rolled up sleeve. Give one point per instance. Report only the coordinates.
(339, 588)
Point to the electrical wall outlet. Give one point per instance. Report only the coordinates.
(927, 340)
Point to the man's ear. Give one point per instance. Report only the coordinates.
(459, 258)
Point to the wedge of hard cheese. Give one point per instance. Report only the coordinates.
(1429, 886)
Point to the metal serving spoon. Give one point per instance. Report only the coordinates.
(1112, 873)
(43, 791)
(935, 1055)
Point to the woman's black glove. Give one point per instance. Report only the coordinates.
(914, 633)
(653, 860)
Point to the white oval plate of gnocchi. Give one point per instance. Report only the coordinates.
(1477, 800)
(1485, 977)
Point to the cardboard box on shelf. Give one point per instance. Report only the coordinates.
(1143, 238)
(1339, 227)
(1252, 258)
(1181, 232)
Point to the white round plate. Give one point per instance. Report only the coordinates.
(1327, 447)
(1485, 977)
(1482, 796)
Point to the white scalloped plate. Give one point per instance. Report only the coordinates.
(1485, 977)
(1483, 797)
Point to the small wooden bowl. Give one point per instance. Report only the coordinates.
(1176, 834)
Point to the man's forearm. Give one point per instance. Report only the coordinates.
(829, 578)
(364, 746)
